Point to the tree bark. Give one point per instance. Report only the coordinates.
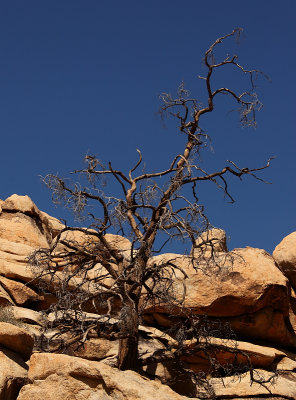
(128, 353)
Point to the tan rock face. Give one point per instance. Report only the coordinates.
(22, 295)
(16, 339)
(243, 387)
(13, 260)
(214, 240)
(60, 377)
(231, 352)
(13, 374)
(5, 299)
(21, 232)
(249, 291)
(26, 315)
(244, 288)
(250, 281)
(21, 228)
(285, 256)
(53, 224)
(20, 203)
(25, 205)
(89, 240)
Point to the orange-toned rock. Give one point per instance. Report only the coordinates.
(62, 377)
(16, 339)
(285, 256)
(13, 259)
(21, 294)
(21, 228)
(230, 352)
(89, 239)
(249, 281)
(273, 386)
(13, 374)
(53, 224)
(21, 204)
(5, 298)
(26, 315)
(21, 232)
(211, 241)
(244, 287)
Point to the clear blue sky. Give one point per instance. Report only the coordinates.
(84, 76)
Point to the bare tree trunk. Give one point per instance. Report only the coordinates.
(128, 353)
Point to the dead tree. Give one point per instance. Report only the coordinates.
(148, 211)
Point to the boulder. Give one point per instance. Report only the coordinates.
(13, 374)
(89, 240)
(21, 232)
(62, 377)
(5, 298)
(20, 228)
(228, 352)
(21, 294)
(16, 339)
(26, 315)
(53, 224)
(264, 384)
(248, 282)
(244, 287)
(285, 256)
(120, 243)
(13, 260)
(211, 241)
(23, 204)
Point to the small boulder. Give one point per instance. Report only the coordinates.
(16, 339)
(21, 294)
(21, 204)
(285, 256)
(13, 374)
(264, 384)
(53, 224)
(211, 241)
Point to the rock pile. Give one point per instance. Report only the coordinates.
(253, 292)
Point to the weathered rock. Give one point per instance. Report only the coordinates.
(210, 292)
(151, 341)
(285, 256)
(95, 349)
(230, 352)
(13, 260)
(242, 386)
(13, 374)
(25, 318)
(54, 226)
(89, 240)
(21, 232)
(62, 377)
(119, 243)
(287, 364)
(21, 228)
(20, 203)
(16, 339)
(211, 241)
(26, 315)
(21, 294)
(5, 298)
(249, 291)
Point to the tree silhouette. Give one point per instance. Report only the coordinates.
(91, 270)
